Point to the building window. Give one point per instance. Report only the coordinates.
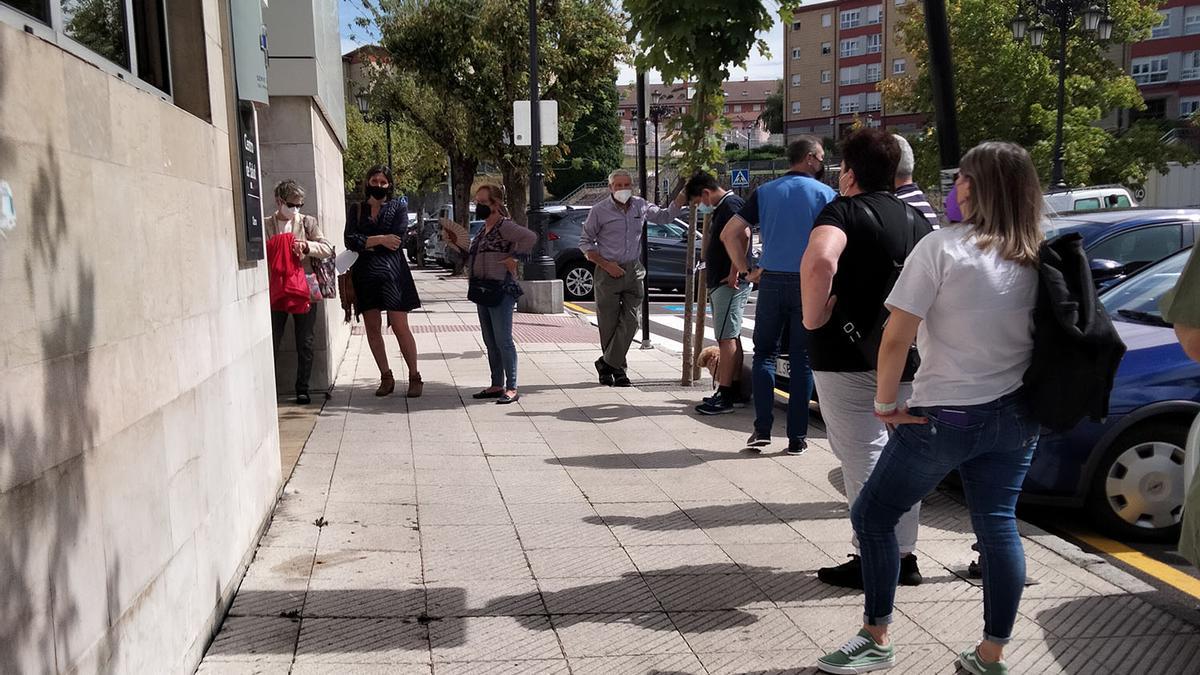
(826, 48)
(795, 80)
(874, 15)
(851, 18)
(852, 47)
(1191, 66)
(99, 25)
(874, 101)
(1189, 106)
(795, 25)
(737, 108)
(826, 20)
(1163, 29)
(874, 72)
(795, 52)
(826, 76)
(38, 9)
(1149, 70)
(899, 66)
(850, 75)
(899, 2)
(826, 104)
(795, 107)
(1191, 21)
(849, 104)
(874, 43)
(757, 107)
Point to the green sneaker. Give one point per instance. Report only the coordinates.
(971, 663)
(859, 655)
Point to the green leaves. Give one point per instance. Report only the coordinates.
(1007, 90)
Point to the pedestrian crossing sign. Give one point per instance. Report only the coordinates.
(741, 178)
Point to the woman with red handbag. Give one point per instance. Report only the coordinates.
(306, 244)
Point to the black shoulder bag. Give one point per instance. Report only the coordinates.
(867, 342)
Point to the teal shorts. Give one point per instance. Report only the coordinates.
(728, 306)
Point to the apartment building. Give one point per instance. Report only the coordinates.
(1166, 66)
(835, 55)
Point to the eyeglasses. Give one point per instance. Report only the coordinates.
(294, 206)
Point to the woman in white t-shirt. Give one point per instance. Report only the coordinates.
(966, 295)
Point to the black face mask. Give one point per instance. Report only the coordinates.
(820, 173)
(376, 192)
(483, 211)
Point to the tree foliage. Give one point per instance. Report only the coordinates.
(698, 41)
(419, 165)
(458, 65)
(596, 147)
(772, 114)
(1007, 90)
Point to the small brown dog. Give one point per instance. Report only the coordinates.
(710, 358)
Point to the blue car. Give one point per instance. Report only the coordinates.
(1128, 470)
(1122, 241)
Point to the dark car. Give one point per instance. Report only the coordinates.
(666, 244)
(1128, 470)
(1122, 241)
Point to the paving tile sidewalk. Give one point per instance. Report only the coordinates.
(596, 530)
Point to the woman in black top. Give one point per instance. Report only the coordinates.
(375, 229)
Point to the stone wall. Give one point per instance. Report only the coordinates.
(139, 449)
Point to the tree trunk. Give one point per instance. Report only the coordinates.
(516, 188)
(462, 170)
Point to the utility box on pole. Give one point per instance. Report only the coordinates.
(522, 117)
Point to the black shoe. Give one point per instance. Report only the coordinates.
(606, 373)
(506, 399)
(846, 575)
(716, 405)
(620, 379)
(758, 440)
(485, 394)
(303, 398)
(797, 446)
(909, 574)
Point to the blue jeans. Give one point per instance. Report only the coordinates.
(991, 445)
(778, 307)
(497, 325)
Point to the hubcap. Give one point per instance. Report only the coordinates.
(579, 282)
(1144, 485)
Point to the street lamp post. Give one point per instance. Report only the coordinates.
(541, 265)
(364, 107)
(658, 113)
(1062, 14)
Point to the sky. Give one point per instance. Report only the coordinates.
(757, 67)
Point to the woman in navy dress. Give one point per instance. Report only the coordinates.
(383, 284)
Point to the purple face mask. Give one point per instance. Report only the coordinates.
(953, 213)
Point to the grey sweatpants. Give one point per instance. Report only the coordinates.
(618, 307)
(858, 438)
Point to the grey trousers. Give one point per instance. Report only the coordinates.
(618, 307)
(858, 438)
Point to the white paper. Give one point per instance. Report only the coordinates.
(344, 260)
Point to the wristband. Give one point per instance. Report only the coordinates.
(885, 408)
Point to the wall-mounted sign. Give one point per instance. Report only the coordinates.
(253, 248)
(249, 50)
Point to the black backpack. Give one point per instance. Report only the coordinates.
(1076, 349)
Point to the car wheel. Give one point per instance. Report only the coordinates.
(579, 280)
(1137, 489)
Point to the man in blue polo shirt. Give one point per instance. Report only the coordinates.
(784, 209)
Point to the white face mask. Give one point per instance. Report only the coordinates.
(623, 196)
(288, 212)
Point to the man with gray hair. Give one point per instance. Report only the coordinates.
(612, 241)
(907, 190)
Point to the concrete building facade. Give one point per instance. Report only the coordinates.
(303, 137)
(139, 446)
(1166, 65)
(835, 55)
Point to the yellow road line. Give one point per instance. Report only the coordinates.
(780, 392)
(576, 308)
(1161, 571)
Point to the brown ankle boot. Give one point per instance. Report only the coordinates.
(416, 386)
(387, 384)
